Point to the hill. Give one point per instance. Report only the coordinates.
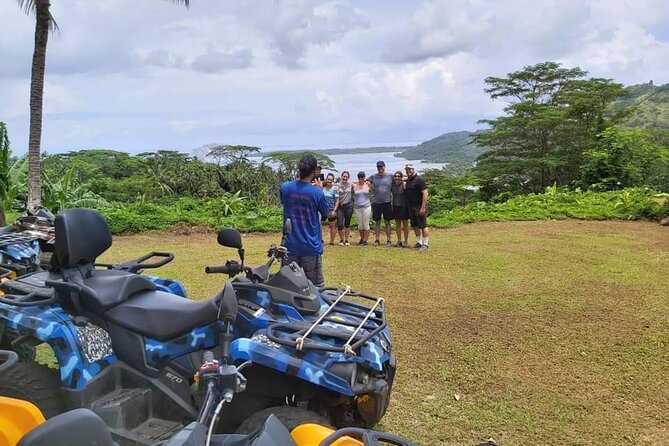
(456, 148)
(651, 105)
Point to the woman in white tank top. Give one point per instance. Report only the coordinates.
(362, 207)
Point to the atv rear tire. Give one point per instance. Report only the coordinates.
(26, 352)
(290, 416)
(36, 383)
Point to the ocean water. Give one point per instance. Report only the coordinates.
(366, 162)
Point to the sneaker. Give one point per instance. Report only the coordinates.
(331, 243)
(389, 243)
(417, 245)
(423, 248)
(346, 243)
(364, 243)
(377, 243)
(341, 243)
(398, 245)
(361, 242)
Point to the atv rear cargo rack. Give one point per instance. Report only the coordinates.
(13, 238)
(368, 322)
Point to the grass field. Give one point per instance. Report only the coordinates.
(531, 333)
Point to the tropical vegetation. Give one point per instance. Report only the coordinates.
(564, 148)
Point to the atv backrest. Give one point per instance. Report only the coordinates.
(81, 236)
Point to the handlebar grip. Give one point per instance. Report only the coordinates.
(208, 356)
(216, 269)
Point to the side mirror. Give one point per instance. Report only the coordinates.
(230, 237)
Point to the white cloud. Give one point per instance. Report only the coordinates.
(143, 75)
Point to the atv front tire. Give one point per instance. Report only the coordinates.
(290, 416)
(36, 383)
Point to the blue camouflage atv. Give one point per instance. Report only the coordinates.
(26, 245)
(128, 346)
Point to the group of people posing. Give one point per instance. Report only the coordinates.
(381, 196)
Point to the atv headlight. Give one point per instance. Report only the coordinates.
(345, 370)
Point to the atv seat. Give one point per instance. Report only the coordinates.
(105, 289)
(164, 316)
(81, 236)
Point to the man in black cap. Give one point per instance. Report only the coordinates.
(416, 192)
(382, 183)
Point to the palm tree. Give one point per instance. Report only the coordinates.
(44, 23)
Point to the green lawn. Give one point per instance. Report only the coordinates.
(532, 333)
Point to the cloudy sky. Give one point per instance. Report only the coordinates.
(142, 75)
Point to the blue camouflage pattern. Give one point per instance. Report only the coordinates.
(21, 252)
(159, 353)
(168, 285)
(53, 326)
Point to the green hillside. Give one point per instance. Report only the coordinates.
(651, 105)
(456, 148)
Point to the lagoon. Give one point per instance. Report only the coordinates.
(355, 162)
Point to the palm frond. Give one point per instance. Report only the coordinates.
(186, 3)
(30, 8)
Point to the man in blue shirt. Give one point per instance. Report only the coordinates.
(302, 202)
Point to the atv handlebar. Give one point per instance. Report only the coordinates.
(231, 268)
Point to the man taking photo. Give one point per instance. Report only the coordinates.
(301, 203)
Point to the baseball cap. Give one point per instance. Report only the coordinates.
(409, 166)
(380, 164)
(361, 174)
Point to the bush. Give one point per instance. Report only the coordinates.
(627, 204)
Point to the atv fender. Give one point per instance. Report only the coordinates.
(78, 363)
(275, 357)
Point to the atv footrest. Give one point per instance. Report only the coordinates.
(124, 408)
(156, 429)
(128, 414)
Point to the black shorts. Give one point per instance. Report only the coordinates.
(401, 212)
(385, 209)
(417, 220)
(328, 218)
(313, 268)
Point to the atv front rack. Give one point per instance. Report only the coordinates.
(366, 322)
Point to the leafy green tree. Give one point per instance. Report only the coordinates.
(226, 153)
(67, 193)
(553, 115)
(626, 158)
(287, 161)
(44, 23)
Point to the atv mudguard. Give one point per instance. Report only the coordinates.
(79, 363)
(274, 356)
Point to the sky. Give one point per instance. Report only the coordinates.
(143, 75)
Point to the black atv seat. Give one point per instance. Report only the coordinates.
(163, 316)
(105, 289)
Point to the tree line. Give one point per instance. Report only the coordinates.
(558, 129)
